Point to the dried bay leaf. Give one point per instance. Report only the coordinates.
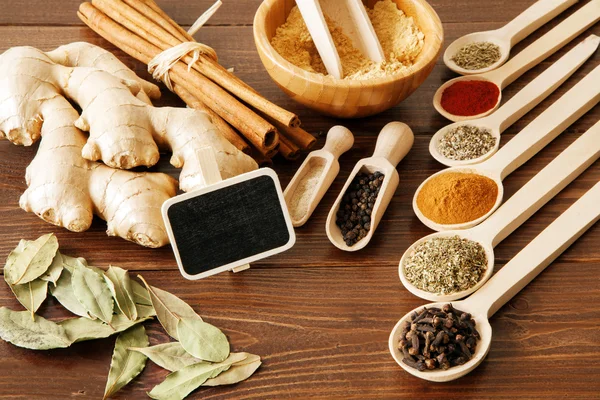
(126, 364)
(203, 340)
(145, 311)
(83, 329)
(179, 384)
(31, 294)
(169, 309)
(120, 287)
(63, 292)
(70, 263)
(54, 270)
(170, 356)
(93, 293)
(140, 294)
(27, 263)
(17, 328)
(238, 372)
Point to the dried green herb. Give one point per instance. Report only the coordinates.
(18, 328)
(203, 340)
(170, 356)
(445, 265)
(477, 55)
(63, 292)
(126, 364)
(30, 259)
(466, 142)
(180, 384)
(169, 309)
(54, 270)
(84, 329)
(120, 287)
(140, 294)
(70, 263)
(31, 294)
(93, 293)
(238, 372)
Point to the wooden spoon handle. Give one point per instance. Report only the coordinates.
(538, 254)
(542, 86)
(339, 141)
(547, 126)
(543, 187)
(533, 18)
(394, 142)
(547, 45)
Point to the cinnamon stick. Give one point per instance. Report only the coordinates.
(224, 128)
(288, 149)
(262, 160)
(258, 131)
(128, 15)
(154, 13)
(303, 139)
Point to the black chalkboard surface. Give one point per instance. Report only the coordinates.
(229, 224)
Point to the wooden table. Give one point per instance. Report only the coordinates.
(320, 318)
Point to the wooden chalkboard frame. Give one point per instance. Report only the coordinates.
(217, 186)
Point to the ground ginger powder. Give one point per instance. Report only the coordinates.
(400, 38)
(456, 197)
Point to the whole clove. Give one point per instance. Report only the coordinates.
(438, 339)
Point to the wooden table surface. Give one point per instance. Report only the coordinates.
(320, 318)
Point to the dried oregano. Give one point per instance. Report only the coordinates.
(88, 292)
(446, 265)
(477, 55)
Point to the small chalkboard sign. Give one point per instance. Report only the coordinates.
(228, 224)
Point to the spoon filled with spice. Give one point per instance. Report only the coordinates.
(450, 265)
(369, 189)
(461, 197)
(481, 52)
(316, 174)
(476, 96)
(441, 342)
(466, 143)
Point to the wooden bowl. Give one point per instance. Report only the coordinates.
(347, 98)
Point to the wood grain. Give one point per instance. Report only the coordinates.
(320, 317)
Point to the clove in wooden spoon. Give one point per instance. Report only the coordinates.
(510, 280)
(509, 35)
(519, 208)
(539, 133)
(538, 51)
(521, 103)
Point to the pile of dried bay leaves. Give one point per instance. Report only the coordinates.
(109, 302)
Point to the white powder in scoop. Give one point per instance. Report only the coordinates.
(305, 190)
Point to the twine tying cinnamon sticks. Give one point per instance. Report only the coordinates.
(142, 30)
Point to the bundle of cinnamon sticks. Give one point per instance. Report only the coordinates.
(249, 121)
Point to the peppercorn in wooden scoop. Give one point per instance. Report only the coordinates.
(315, 175)
(435, 212)
(476, 96)
(467, 143)
(393, 144)
(470, 54)
(428, 261)
(481, 306)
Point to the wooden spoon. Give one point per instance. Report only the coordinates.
(541, 131)
(509, 35)
(519, 208)
(521, 103)
(513, 277)
(542, 48)
(339, 141)
(352, 18)
(393, 144)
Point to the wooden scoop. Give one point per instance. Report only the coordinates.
(352, 17)
(519, 208)
(538, 51)
(393, 144)
(521, 103)
(339, 141)
(541, 131)
(509, 35)
(513, 277)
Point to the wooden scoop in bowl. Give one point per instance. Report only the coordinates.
(393, 144)
(339, 141)
(354, 21)
(513, 277)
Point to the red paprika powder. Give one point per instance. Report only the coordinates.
(468, 98)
